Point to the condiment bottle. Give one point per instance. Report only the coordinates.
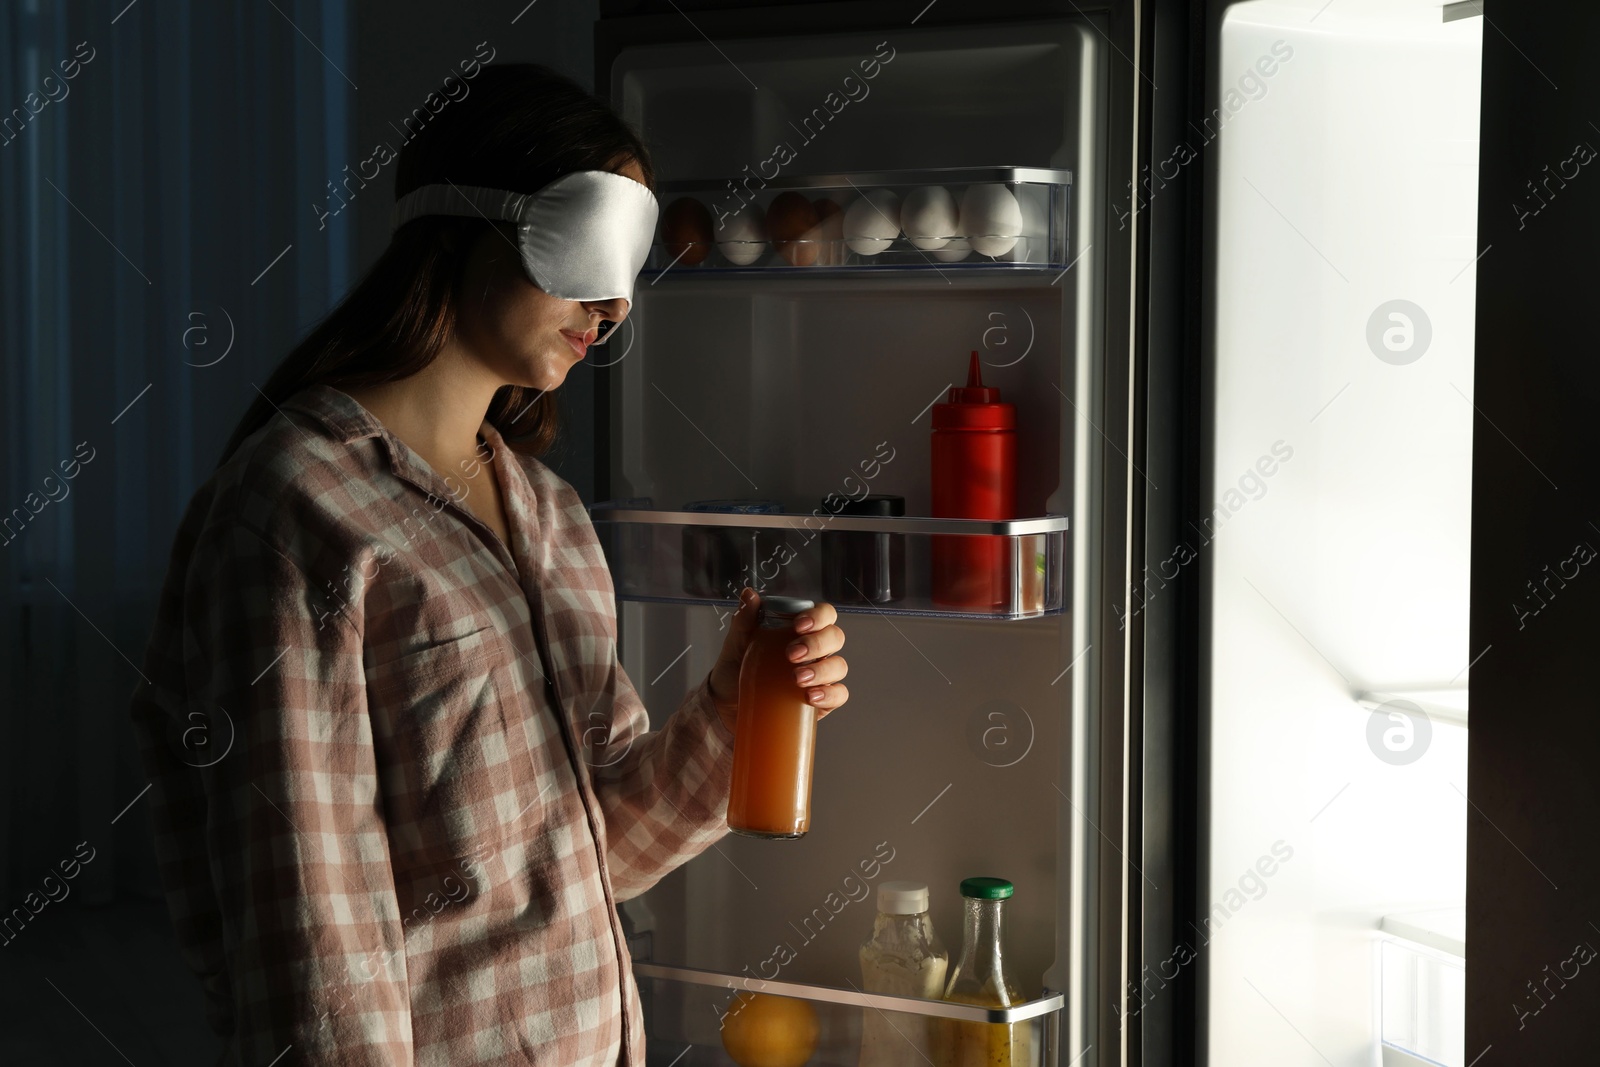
(980, 977)
(904, 957)
(860, 567)
(714, 557)
(974, 460)
(775, 731)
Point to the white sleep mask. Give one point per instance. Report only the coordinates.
(585, 236)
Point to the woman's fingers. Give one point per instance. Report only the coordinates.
(815, 618)
(826, 698)
(816, 644)
(821, 672)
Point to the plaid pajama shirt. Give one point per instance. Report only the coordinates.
(399, 778)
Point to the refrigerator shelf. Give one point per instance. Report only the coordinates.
(686, 1006)
(1049, 1002)
(919, 176)
(993, 219)
(894, 565)
(842, 523)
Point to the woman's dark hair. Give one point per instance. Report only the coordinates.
(519, 127)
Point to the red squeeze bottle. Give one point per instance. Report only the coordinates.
(974, 477)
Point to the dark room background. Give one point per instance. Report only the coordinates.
(170, 230)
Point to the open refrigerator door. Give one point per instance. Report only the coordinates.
(848, 216)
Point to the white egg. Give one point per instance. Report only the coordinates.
(929, 216)
(958, 248)
(991, 218)
(742, 236)
(872, 222)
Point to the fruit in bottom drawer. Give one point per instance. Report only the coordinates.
(762, 1030)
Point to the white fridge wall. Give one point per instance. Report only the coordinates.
(1350, 181)
(778, 387)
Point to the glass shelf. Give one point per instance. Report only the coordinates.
(1423, 990)
(939, 219)
(685, 1009)
(897, 565)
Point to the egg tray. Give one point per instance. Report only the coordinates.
(961, 218)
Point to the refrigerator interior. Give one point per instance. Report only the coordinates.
(1346, 223)
(950, 757)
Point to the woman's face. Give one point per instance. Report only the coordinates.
(524, 335)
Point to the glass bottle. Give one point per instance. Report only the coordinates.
(903, 957)
(980, 977)
(775, 732)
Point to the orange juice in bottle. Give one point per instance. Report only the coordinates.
(980, 977)
(774, 733)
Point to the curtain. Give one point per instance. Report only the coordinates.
(161, 165)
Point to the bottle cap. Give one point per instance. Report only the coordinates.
(975, 392)
(785, 605)
(902, 898)
(974, 406)
(986, 888)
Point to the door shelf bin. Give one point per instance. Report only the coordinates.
(899, 565)
(684, 1008)
(1017, 217)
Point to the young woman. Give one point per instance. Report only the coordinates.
(399, 779)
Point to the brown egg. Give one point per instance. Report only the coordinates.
(790, 218)
(828, 233)
(686, 230)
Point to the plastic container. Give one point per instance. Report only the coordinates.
(974, 460)
(718, 561)
(865, 568)
(943, 219)
(980, 977)
(903, 957)
(775, 732)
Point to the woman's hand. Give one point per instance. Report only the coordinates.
(816, 636)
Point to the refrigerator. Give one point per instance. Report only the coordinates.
(984, 736)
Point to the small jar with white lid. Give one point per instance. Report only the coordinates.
(903, 957)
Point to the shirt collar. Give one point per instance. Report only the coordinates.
(348, 422)
(338, 411)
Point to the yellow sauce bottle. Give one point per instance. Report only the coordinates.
(979, 977)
